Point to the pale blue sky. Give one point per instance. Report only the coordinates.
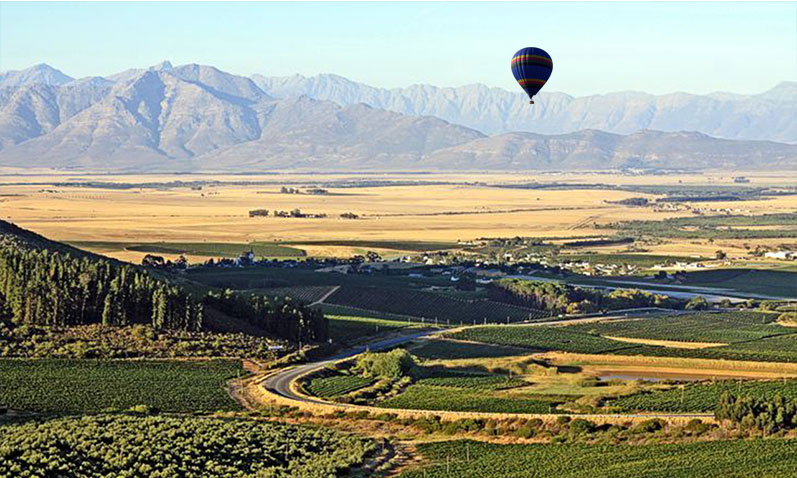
(596, 47)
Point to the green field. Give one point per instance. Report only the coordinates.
(751, 336)
(430, 306)
(160, 446)
(207, 249)
(332, 309)
(781, 348)
(774, 458)
(83, 386)
(472, 381)
(449, 349)
(461, 399)
(267, 277)
(760, 283)
(541, 339)
(347, 328)
(714, 227)
(337, 385)
(698, 327)
(740, 282)
(703, 396)
(767, 282)
(440, 388)
(415, 246)
(639, 260)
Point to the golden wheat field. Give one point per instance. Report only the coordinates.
(463, 209)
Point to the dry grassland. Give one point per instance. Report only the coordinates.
(410, 213)
(667, 343)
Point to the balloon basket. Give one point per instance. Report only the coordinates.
(531, 102)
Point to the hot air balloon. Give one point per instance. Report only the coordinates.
(532, 67)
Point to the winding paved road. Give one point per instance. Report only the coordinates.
(280, 382)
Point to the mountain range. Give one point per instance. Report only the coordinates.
(199, 118)
(766, 116)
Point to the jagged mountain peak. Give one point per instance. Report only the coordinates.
(37, 74)
(165, 65)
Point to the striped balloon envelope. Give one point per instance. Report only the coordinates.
(532, 67)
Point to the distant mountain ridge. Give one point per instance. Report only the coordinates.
(199, 118)
(593, 149)
(766, 116)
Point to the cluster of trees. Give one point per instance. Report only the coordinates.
(297, 213)
(279, 316)
(258, 213)
(291, 190)
(392, 365)
(752, 413)
(562, 298)
(44, 288)
(39, 287)
(711, 227)
(158, 262)
(600, 242)
(635, 201)
(292, 213)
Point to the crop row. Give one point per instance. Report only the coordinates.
(541, 338)
(430, 306)
(781, 348)
(704, 396)
(740, 458)
(75, 386)
(346, 328)
(336, 385)
(303, 293)
(427, 397)
(700, 327)
(474, 382)
(450, 349)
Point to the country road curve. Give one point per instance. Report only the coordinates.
(281, 384)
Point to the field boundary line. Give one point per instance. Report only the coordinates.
(325, 296)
